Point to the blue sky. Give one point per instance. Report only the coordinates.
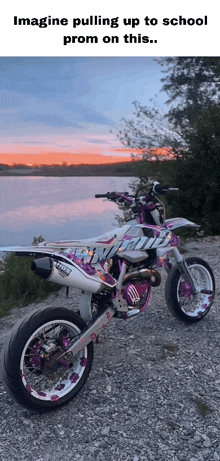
(65, 103)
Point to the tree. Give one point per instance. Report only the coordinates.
(191, 128)
(193, 87)
(197, 174)
(37, 240)
(148, 131)
(191, 83)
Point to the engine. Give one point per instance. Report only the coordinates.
(135, 293)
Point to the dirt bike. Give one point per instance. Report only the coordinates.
(49, 355)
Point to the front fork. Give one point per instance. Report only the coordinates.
(183, 268)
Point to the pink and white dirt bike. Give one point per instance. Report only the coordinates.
(49, 355)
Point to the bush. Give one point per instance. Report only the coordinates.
(197, 174)
(20, 286)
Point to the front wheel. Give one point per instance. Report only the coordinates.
(181, 300)
(33, 371)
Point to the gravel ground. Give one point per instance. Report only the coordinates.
(153, 393)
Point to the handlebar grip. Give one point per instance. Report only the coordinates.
(159, 189)
(100, 195)
(114, 196)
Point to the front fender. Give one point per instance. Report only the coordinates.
(179, 222)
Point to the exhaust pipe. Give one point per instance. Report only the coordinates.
(42, 267)
(144, 274)
(67, 274)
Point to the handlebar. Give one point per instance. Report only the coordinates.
(114, 196)
(157, 188)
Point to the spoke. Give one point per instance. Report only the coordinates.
(202, 281)
(37, 337)
(30, 373)
(60, 380)
(33, 350)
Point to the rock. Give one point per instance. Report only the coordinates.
(136, 458)
(105, 430)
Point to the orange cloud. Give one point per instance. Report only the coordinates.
(48, 158)
(73, 149)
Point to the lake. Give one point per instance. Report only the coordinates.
(57, 208)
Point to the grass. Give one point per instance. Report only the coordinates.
(202, 407)
(170, 349)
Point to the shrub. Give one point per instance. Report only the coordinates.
(20, 286)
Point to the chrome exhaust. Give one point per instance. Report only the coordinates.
(143, 274)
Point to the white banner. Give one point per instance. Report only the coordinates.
(117, 28)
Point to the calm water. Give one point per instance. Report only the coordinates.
(58, 208)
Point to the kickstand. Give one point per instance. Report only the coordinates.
(67, 291)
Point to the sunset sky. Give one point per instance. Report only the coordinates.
(68, 106)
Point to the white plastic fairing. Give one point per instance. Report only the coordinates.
(105, 240)
(133, 256)
(162, 251)
(179, 222)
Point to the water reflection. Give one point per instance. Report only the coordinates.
(55, 214)
(56, 207)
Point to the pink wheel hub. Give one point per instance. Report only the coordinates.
(186, 290)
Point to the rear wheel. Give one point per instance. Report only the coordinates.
(33, 371)
(181, 300)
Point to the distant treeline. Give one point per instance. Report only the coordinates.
(115, 169)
